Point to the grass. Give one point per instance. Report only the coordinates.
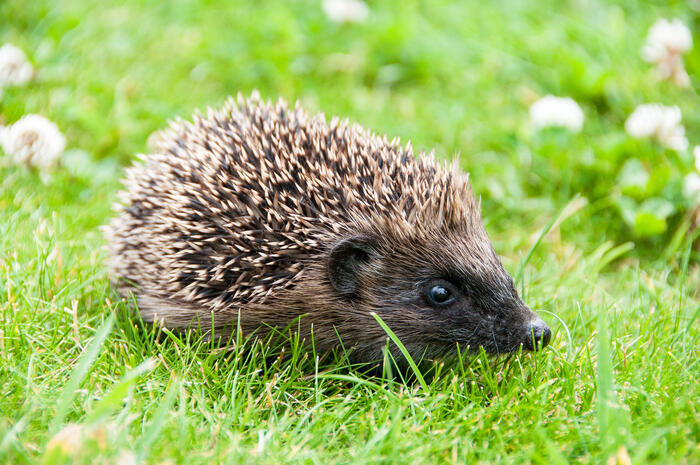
(82, 381)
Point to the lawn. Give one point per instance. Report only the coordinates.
(593, 225)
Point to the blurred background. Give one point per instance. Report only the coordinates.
(576, 119)
(456, 77)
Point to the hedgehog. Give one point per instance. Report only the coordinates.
(259, 217)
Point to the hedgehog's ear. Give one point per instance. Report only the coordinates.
(345, 260)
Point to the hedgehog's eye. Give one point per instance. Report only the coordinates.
(440, 295)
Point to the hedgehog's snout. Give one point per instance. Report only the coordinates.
(537, 335)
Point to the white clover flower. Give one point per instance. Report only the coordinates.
(691, 183)
(34, 141)
(14, 67)
(346, 11)
(659, 122)
(556, 111)
(666, 37)
(691, 187)
(68, 440)
(127, 458)
(666, 42)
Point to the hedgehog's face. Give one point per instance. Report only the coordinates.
(445, 292)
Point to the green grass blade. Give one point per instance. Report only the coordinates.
(159, 418)
(613, 421)
(604, 380)
(403, 350)
(79, 372)
(576, 204)
(114, 398)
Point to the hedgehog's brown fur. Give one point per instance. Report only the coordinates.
(235, 218)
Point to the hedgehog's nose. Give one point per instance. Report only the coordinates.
(537, 336)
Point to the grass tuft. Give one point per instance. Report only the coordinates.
(594, 226)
